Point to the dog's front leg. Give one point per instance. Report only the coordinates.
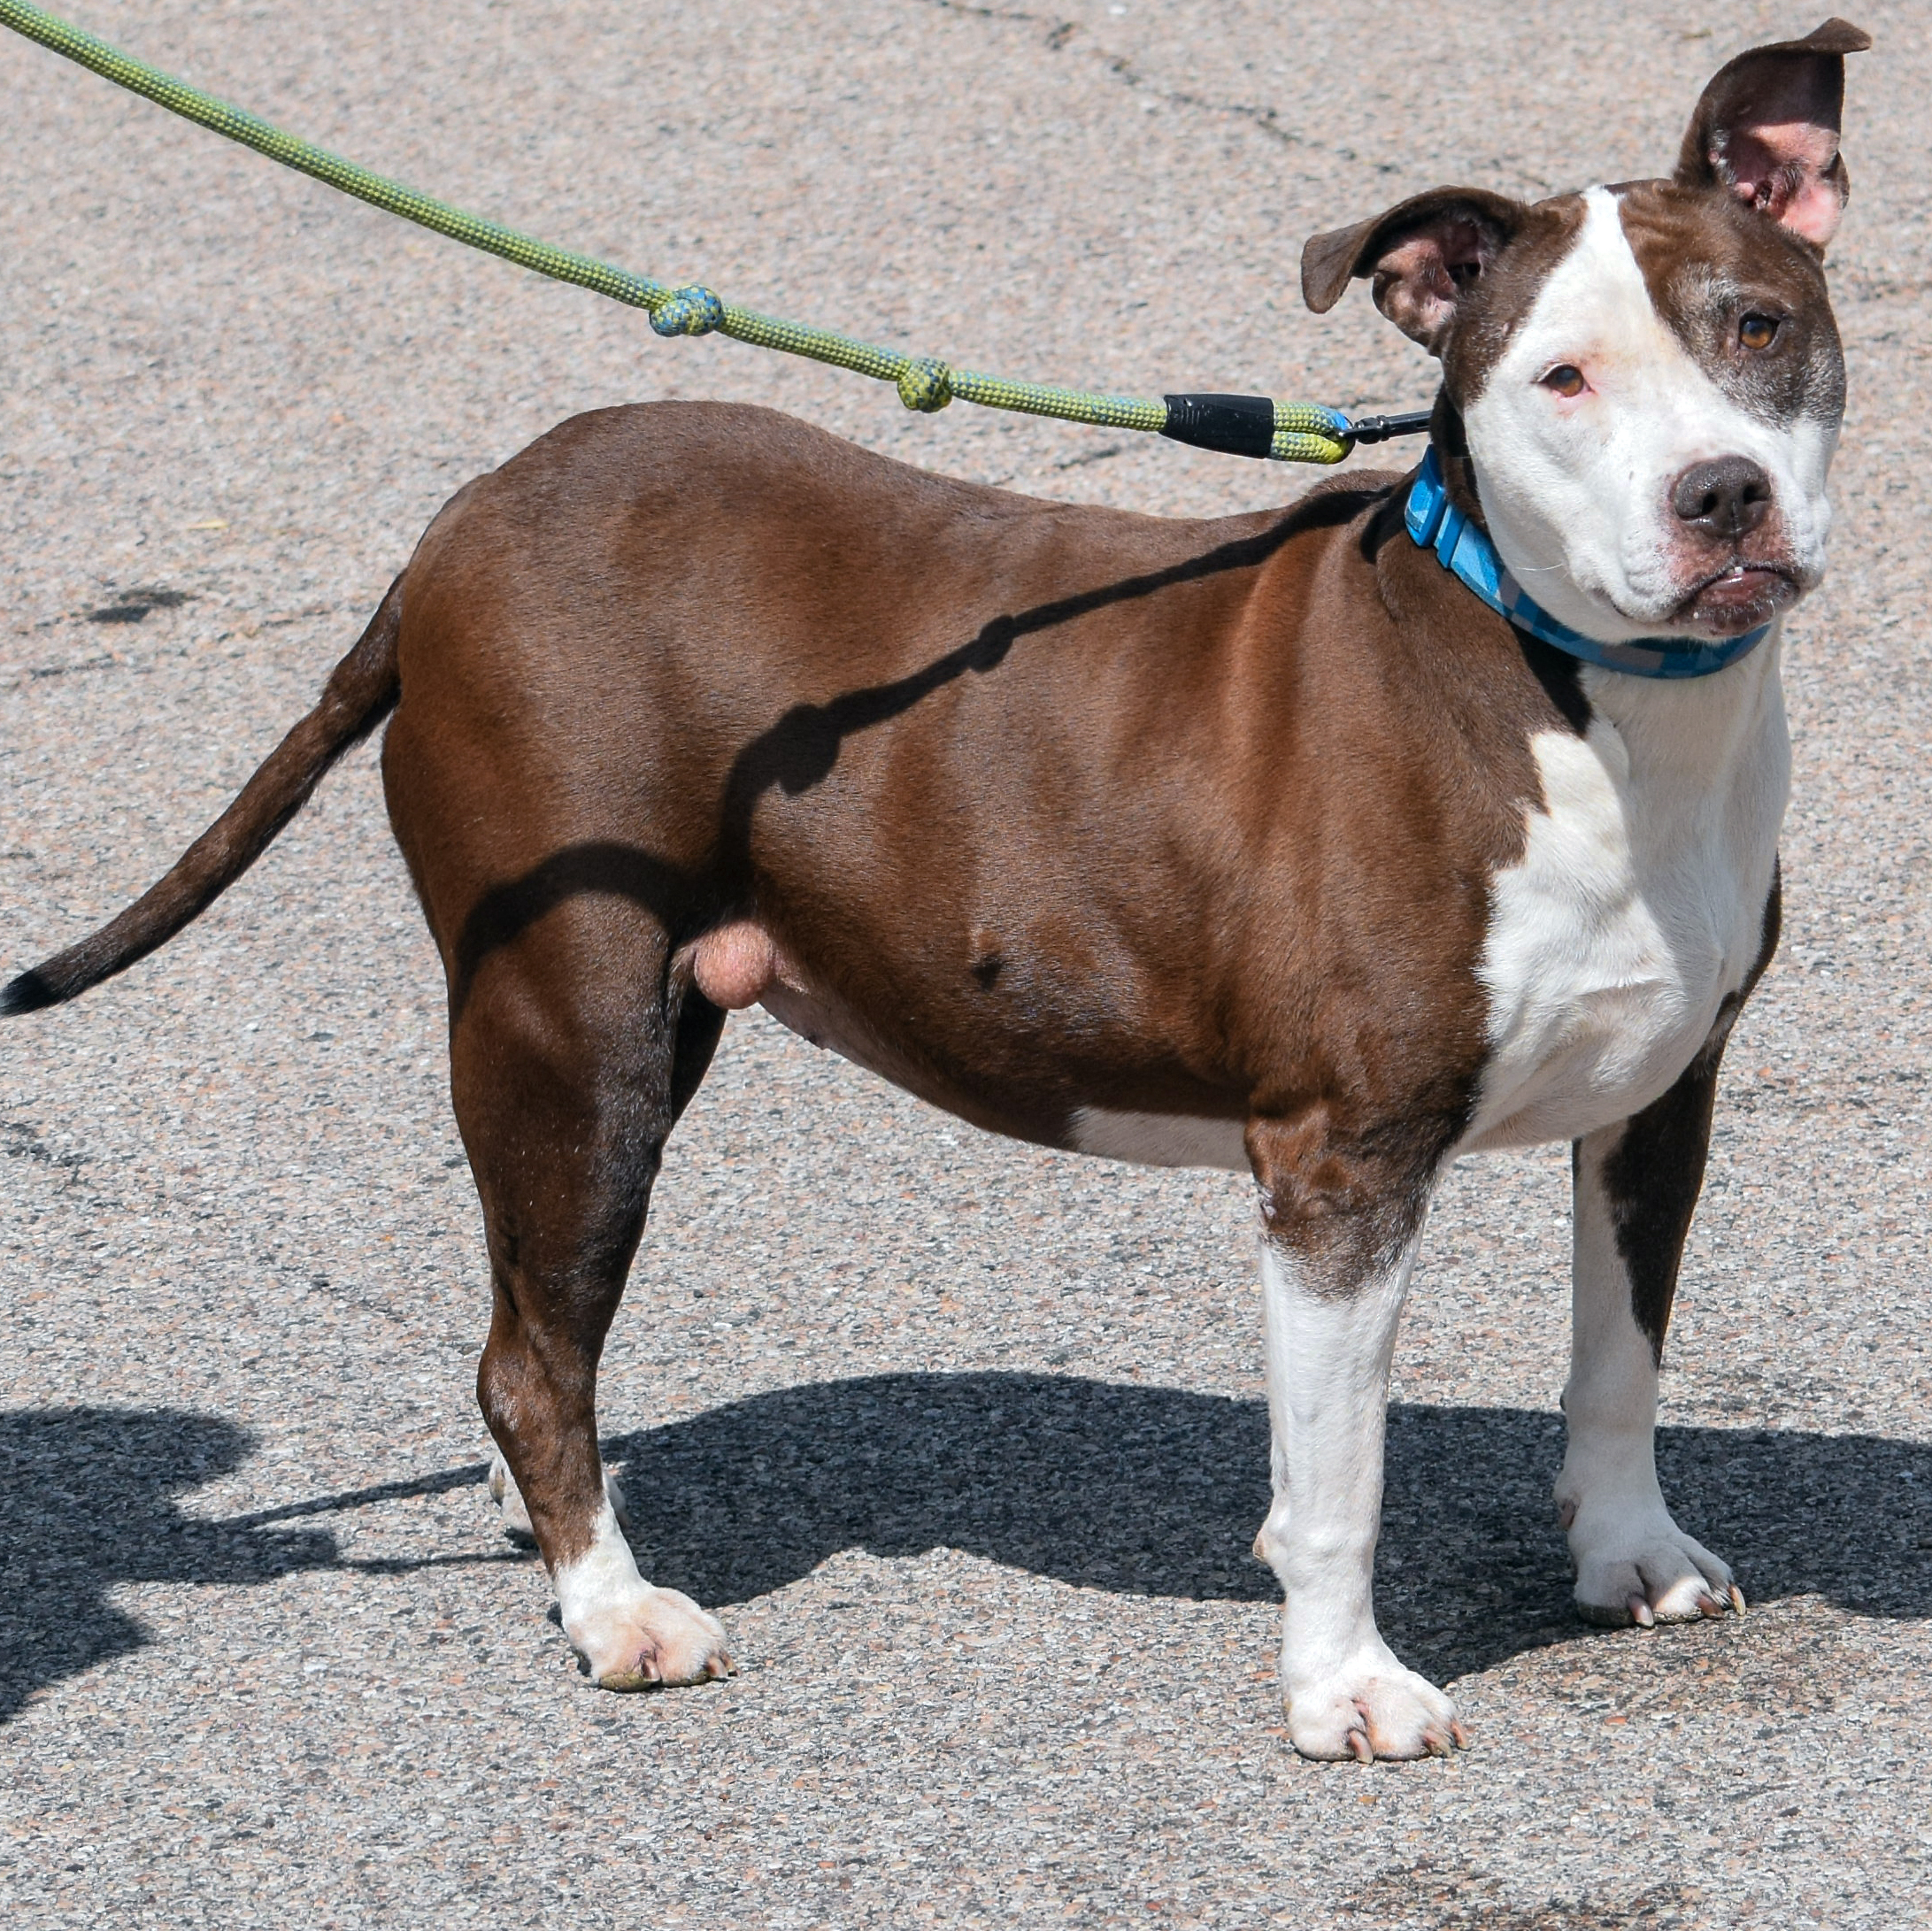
(1635, 1185)
(1338, 1241)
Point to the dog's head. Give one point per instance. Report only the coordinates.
(1648, 375)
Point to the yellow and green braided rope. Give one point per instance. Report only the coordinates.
(1304, 432)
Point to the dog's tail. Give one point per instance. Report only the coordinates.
(361, 691)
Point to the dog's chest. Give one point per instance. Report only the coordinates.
(1637, 906)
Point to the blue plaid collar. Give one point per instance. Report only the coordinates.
(1437, 524)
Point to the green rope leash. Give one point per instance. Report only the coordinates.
(1240, 425)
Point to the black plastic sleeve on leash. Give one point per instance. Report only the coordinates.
(1232, 425)
(1245, 425)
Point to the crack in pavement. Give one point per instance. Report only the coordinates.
(1061, 33)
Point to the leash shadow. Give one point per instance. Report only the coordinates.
(801, 748)
(1157, 1491)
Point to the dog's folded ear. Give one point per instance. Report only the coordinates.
(1424, 254)
(1767, 130)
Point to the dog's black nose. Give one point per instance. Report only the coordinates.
(1725, 498)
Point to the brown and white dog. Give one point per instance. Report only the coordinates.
(1258, 842)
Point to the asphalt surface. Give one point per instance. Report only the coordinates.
(964, 1441)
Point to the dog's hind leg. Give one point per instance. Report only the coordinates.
(1341, 1229)
(570, 1058)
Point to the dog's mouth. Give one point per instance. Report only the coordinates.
(1745, 593)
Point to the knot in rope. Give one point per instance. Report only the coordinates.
(924, 385)
(689, 311)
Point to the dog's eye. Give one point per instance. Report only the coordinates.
(1565, 379)
(1757, 331)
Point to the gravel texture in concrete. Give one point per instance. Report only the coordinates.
(964, 1441)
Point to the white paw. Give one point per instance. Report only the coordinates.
(1370, 1707)
(516, 1514)
(629, 1633)
(1638, 1566)
(657, 1636)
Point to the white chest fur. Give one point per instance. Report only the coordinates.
(1638, 903)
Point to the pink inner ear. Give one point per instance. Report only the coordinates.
(1419, 262)
(1414, 287)
(1780, 167)
(1421, 275)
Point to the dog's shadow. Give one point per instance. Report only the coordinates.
(1155, 1491)
(88, 1501)
(1107, 1485)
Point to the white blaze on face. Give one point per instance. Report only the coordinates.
(1577, 491)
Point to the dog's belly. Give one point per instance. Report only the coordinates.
(1141, 1139)
(1633, 915)
(741, 963)
(826, 1023)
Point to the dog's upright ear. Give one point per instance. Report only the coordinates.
(1767, 130)
(1424, 255)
